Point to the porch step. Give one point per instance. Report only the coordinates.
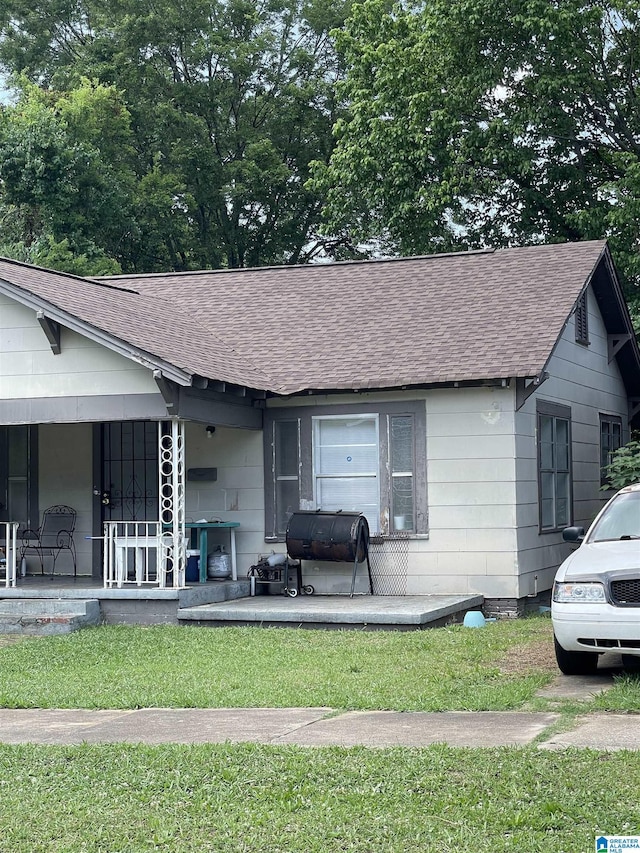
(45, 617)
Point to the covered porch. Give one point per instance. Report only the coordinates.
(140, 497)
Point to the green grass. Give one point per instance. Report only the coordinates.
(453, 668)
(204, 798)
(247, 798)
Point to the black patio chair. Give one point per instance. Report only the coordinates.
(54, 535)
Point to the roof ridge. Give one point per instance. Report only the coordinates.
(465, 253)
(101, 281)
(289, 267)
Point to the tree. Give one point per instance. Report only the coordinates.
(624, 468)
(489, 122)
(230, 101)
(65, 197)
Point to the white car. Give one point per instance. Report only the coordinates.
(595, 605)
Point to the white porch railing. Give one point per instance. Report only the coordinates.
(138, 553)
(8, 551)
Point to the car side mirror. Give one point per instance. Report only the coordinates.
(573, 534)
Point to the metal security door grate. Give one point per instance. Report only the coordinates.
(130, 471)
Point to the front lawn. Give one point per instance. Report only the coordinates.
(249, 799)
(498, 667)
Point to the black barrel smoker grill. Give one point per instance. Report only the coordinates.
(339, 537)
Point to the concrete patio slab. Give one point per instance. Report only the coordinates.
(409, 611)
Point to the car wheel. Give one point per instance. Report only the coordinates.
(631, 663)
(575, 663)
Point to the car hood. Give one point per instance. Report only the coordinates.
(600, 558)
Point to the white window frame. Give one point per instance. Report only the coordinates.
(611, 421)
(555, 412)
(316, 421)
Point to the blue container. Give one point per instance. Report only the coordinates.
(474, 619)
(192, 573)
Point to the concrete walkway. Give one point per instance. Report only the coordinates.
(325, 727)
(315, 727)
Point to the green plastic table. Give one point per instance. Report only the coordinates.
(202, 528)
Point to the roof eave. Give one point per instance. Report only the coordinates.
(106, 339)
(476, 382)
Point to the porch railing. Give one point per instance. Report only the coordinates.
(141, 553)
(8, 551)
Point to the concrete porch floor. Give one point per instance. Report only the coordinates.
(133, 605)
(218, 603)
(408, 612)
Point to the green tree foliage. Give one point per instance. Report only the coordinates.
(65, 193)
(624, 468)
(489, 122)
(229, 101)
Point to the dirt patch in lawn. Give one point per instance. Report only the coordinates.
(530, 656)
(10, 639)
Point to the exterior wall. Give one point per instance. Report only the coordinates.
(482, 489)
(28, 368)
(471, 543)
(65, 477)
(238, 492)
(471, 489)
(580, 377)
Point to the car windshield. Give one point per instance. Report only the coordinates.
(621, 519)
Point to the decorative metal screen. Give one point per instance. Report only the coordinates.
(130, 471)
(389, 559)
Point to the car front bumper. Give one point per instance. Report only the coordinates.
(597, 627)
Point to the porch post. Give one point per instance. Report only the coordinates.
(8, 554)
(172, 499)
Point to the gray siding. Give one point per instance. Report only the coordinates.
(583, 379)
(29, 369)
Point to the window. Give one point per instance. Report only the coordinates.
(346, 462)
(366, 459)
(18, 476)
(554, 466)
(610, 440)
(402, 476)
(582, 320)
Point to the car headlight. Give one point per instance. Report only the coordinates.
(575, 592)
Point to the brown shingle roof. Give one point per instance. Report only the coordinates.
(373, 324)
(380, 324)
(164, 329)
